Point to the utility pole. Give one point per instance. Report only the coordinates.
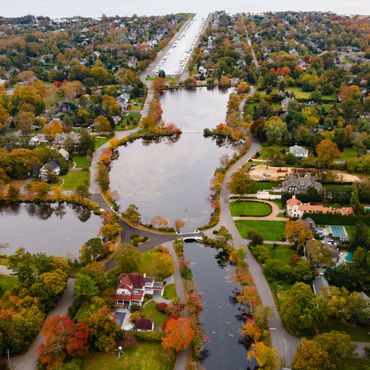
(8, 358)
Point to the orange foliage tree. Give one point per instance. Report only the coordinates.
(178, 334)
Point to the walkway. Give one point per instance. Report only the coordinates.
(28, 361)
(281, 339)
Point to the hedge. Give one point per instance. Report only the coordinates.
(148, 336)
(335, 219)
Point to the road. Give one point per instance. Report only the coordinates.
(255, 61)
(281, 339)
(28, 361)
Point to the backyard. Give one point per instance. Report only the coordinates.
(270, 230)
(144, 356)
(170, 291)
(250, 208)
(151, 312)
(74, 179)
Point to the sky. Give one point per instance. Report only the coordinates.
(95, 8)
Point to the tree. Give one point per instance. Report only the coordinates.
(53, 128)
(300, 308)
(104, 331)
(92, 250)
(241, 183)
(338, 345)
(355, 201)
(85, 287)
(266, 357)
(24, 122)
(255, 238)
(179, 224)
(318, 253)
(4, 117)
(310, 356)
(159, 84)
(361, 236)
(178, 334)
(86, 144)
(128, 259)
(132, 214)
(297, 232)
(242, 87)
(326, 151)
(101, 124)
(276, 131)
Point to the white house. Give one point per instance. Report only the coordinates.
(298, 151)
(50, 167)
(64, 154)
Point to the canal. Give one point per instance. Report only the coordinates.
(172, 179)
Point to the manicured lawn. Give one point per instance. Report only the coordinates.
(249, 208)
(280, 252)
(75, 178)
(264, 151)
(7, 282)
(270, 230)
(149, 262)
(347, 154)
(266, 185)
(81, 161)
(279, 203)
(150, 312)
(170, 291)
(144, 356)
(357, 333)
(300, 94)
(99, 141)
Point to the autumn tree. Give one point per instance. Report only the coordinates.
(326, 151)
(132, 214)
(179, 224)
(4, 117)
(178, 334)
(311, 356)
(242, 87)
(159, 222)
(297, 232)
(159, 84)
(101, 124)
(53, 128)
(24, 121)
(92, 250)
(241, 183)
(347, 92)
(267, 358)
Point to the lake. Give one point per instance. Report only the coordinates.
(172, 179)
(56, 229)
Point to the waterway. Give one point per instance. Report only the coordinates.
(172, 179)
(222, 316)
(55, 229)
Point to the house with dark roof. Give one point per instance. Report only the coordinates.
(144, 325)
(132, 288)
(51, 167)
(295, 184)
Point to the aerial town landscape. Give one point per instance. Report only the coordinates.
(185, 191)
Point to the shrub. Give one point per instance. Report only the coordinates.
(149, 336)
(162, 307)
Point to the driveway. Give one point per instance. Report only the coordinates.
(28, 361)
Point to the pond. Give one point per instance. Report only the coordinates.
(172, 179)
(222, 316)
(56, 229)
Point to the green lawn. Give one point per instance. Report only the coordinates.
(270, 230)
(144, 356)
(264, 151)
(250, 208)
(266, 185)
(347, 154)
(75, 178)
(7, 282)
(149, 262)
(99, 141)
(151, 312)
(280, 252)
(300, 94)
(81, 161)
(357, 333)
(170, 291)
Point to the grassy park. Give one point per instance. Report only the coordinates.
(144, 356)
(270, 230)
(250, 208)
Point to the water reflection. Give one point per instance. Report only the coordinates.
(170, 177)
(53, 228)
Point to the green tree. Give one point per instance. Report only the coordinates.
(92, 250)
(300, 308)
(276, 131)
(132, 214)
(241, 183)
(128, 259)
(361, 236)
(85, 287)
(355, 201)
(318, 253)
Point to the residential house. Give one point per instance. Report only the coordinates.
(318, 284)
(133, 287)
(295, 208)
(50, 167)
(297, 184)
(144, 325)
(60, 138)
(285, 104)
(123, 100)
(64, 154)
(298, 151)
